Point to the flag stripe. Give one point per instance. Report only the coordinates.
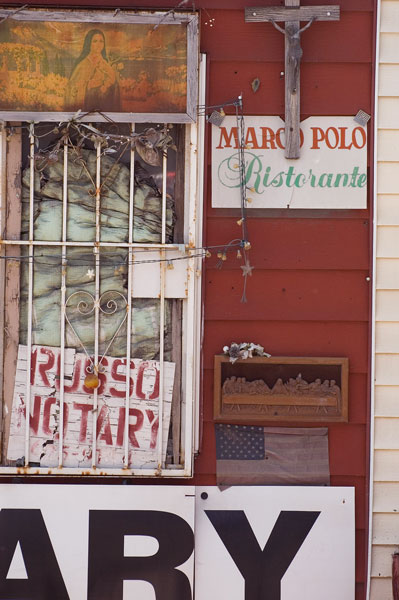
(271, 456)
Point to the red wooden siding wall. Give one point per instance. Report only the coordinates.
(309, 294)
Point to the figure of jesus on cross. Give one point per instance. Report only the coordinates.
(292, 14)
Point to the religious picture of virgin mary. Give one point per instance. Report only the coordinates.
(93, 84)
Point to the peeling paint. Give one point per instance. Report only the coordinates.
(109, 416)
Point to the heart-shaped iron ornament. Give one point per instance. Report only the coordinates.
(84, 303)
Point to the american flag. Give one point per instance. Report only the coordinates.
(248, 454)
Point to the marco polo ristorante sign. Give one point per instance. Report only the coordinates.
(330, 173)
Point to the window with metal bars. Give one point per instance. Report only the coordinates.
(101, 267)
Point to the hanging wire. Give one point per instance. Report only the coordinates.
(150, 143)
(154, 142)
(202, 253)
(242, 169)
(244, 243)
(203, 109)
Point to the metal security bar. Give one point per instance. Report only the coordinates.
(109, 304)
(63, 302)
(129, 320)
(30, 291)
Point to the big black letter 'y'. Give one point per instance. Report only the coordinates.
(262, 570)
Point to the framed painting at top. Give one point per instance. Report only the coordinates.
(127, 66)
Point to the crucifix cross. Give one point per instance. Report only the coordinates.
(292, 14)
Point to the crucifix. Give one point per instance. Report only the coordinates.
(292, 14)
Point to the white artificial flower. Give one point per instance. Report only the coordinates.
(244, 350)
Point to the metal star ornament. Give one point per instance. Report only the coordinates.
(90, 273)
(246, 269)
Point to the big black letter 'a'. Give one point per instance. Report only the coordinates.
(108, 567)
(262, 570)
(45, 581)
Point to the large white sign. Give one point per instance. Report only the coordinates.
(330, 173)
(134, 542)
(88, 542)
(78, 410)
(279, 543)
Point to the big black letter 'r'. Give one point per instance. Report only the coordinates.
(108, 567)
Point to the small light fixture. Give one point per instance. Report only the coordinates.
(216, 118)
(362, 118)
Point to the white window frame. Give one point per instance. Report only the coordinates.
(192, 309)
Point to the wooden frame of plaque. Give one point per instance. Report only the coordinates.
(280, 388)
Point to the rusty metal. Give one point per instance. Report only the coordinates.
(96, 251)
(30, 289)
(118, 472)
(63, 306)
(162, 312)
(83, 244)
(87, 307)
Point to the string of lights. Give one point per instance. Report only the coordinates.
(203, 252)
(216, 118)
(150, 144)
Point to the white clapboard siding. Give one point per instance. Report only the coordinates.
(387, 369)
(386, 497)
(389, 43)
(385, 503)
(387, 304)
(386, 465)
(388, 112)
(387, 276)
(387, 177)
(388, 240)
(381, 588)
(387, 337)
(386, 434)
(388, 142)
(385, 522)
(381, 560)
(386, 529)
(388, 80)
(386, 401)
(388, 206)
(389, 16)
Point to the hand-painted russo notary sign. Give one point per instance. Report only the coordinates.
(331, 172)
(143, 428)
